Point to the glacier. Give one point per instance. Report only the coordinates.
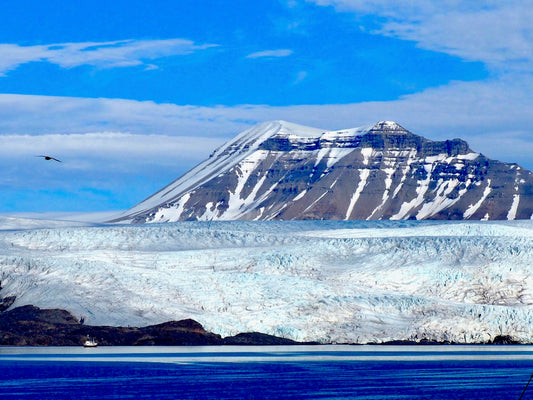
(326, 281)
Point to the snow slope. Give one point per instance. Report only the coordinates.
(224, 158)
(344, 281)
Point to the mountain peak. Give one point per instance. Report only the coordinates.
(389, 127)
(292, 129)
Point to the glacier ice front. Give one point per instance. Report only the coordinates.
(330, 281)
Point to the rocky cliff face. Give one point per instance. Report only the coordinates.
(279, 170)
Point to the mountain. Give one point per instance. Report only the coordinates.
(283, 171)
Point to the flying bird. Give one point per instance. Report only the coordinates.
(49, 158)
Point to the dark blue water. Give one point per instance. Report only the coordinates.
(264, 375)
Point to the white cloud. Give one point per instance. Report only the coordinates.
(109, 145)
(271, 53)
(38, 115)
(498, 33)
(483, 113)
(123, 53)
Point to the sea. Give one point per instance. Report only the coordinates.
(268, 372)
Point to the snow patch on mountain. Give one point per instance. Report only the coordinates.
(363, 175)
(474, 207)
(514, 207)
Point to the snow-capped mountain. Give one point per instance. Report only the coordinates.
(283, 171)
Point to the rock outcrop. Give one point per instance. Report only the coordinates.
(32, 326)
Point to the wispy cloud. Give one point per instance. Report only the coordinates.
(271, 53)
(479, 112)
(118, 149)
(300, 77)
(40, 115)
(498, 33)
(123, 53)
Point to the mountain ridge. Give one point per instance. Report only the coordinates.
(281, 170)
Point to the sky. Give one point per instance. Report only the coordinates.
(132, 94)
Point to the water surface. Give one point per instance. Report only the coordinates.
(267, 372)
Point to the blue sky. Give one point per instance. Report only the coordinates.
(131, 94)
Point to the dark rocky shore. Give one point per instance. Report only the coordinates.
(32, 326)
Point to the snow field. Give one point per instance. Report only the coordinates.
(345, 281)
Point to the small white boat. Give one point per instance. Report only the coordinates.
(90, 342)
